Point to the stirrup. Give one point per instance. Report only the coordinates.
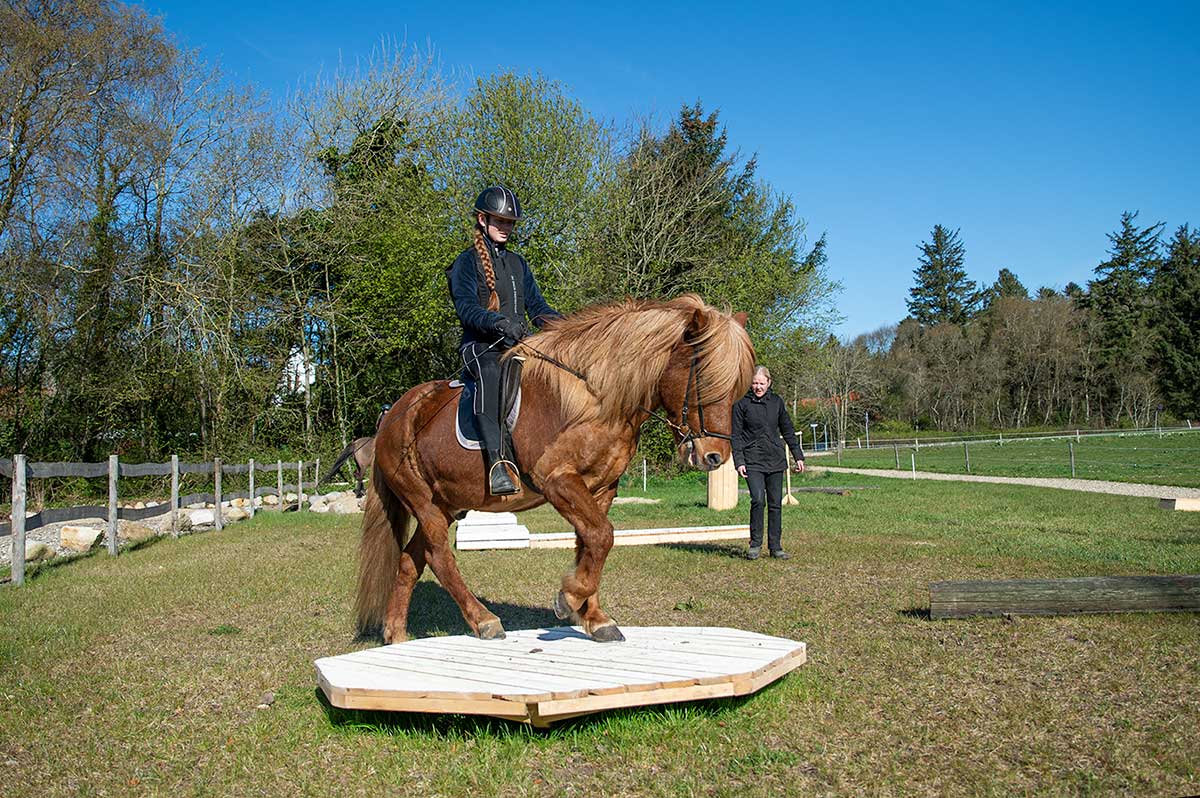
(501, 484)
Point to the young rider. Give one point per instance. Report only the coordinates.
(493, 290)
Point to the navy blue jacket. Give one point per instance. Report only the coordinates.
(515, 287)
(757, 425)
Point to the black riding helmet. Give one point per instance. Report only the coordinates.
(498, 201)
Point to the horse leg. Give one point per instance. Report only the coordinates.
(579, 596)
(435, 526)
(412, 564)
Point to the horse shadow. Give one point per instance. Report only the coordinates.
(433, 612)
(735, 550)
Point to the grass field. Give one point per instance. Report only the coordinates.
(1173, 459)
(141, 675)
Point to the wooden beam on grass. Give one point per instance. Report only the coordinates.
(1065, 596)
(1192, 505)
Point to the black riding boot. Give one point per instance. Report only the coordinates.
(499, 480)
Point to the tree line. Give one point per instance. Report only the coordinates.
(1124, 350)
(198, 269)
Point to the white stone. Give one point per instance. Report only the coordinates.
(36, 550)
(270, 500)
(319, 507)
(234, 514)
(290, 497)
(133, 531)
(345, 505)
(80, 538)
(203, 517)
(240, 502)
(139, 505)
(196, 506)
(153, 504)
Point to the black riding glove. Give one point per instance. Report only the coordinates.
(511, 331)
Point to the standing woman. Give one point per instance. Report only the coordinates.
(493, 289)
(759, 418)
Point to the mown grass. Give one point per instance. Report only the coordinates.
(1173, 459)
(141, 675)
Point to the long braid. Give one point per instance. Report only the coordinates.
(489, 273)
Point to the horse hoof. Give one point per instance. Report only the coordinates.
(562, 610)
(608, 633)
(491, 630)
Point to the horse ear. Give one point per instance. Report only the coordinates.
(697, 323)
(740, 318)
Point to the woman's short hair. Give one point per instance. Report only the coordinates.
(763, 370)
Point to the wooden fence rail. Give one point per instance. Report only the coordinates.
(20, 471)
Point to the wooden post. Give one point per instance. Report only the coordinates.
(1071, 445)
(723, 487)
(317, 475)
(643, 475)
(18, 520)
(913, 455)
(218, 521)
(788, 498)
(1002, 440)
(1077, 436)
(967, 455)
(299, 485)
(174, 495)
(112, 504)
(279, 473)
(251, 487)
(896, 446)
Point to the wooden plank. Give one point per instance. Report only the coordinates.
(387, 700)
(1064, 596)
(1186, 505)
(642, 537)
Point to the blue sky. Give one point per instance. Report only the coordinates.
(1029, 126)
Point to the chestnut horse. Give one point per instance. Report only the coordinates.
(590, 381)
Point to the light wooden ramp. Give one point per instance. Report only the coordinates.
(542, 675)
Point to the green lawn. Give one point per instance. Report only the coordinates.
(1173, 459)
(140, 675)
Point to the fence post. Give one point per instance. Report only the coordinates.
(251, 487)
(1071, 444)
(218, 521)
(967, 455)
(299, 485)
(1002, 439)
(1077, 436)
(279, 473)
(18, 520)
(317, 475)
(913, 455)
(174, 495)
(113, 466)
(896, 446)
(643, 475)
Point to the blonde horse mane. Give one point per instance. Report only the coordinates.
(623, 349)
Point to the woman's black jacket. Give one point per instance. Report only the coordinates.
(757, 425)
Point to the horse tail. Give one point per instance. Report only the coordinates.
(337, 464)
(385, 532)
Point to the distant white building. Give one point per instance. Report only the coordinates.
(298, 374)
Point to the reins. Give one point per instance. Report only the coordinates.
(683, 429)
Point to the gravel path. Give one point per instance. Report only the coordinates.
(1086, 485)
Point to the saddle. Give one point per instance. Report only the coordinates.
(465, 428)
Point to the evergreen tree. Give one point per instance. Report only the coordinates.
(942, 292)
(1176, 321)
(1006, 284)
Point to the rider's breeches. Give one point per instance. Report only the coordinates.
(484, 366)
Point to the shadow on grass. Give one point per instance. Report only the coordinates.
(433, 612)
(919, 613)
(734, 550)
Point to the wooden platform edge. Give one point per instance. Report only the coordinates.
(1175, 593)
(543, 713)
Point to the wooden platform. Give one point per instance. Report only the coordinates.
(539, 676)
